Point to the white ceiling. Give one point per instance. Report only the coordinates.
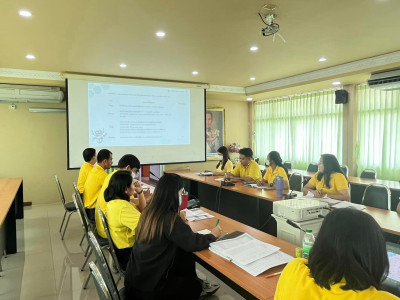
(210, 36)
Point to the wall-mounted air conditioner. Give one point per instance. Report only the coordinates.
(30, 93)
(385, 80)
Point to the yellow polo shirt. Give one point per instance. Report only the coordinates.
(270, 175)
(103, 204)
(93, 185)
(295, 282)
(83, 173)
(227, 168)
(251, 170)
(122, 218)
(338, 182)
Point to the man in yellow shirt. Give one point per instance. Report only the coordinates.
(95, 181)
(89, 155)
(127, 162)
(247, 169)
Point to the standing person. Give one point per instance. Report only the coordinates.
(224, 165)
(212, 135)
(89, 156)
(161, 265)
(329, 180)
(127, 162)
(276, 168)
(348, 261)
(95, 181)
(122, 216)
(247, 169)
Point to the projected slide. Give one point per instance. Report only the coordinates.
(133, 115)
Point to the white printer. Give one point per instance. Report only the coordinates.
(300, 209)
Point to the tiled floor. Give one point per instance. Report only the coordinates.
(46, 267)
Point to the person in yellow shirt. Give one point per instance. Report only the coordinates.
(95, 181)
(122, 216)
(224, 165)
(276, 168)
(348, 261)
(89, 155)
(127, 162)
(329, 180)
(247, 169)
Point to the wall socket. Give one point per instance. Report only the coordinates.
(12, 107)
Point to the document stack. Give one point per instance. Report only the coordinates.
(250, 254)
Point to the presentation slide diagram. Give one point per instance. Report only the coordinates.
(133, 115)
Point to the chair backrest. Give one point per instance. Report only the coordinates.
(345, 170)
(107, 231)
(368, 173)
(82, 213)
(377, 195)
(296, 182)
(312, 167)
(256, 159)
(287, 164)
(60, 191)
(101, 286)
(103, 266)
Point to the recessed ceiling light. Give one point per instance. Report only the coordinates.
(160, 33)
(336, 82)
(249, 98)
(252, 78)
(122, 65)
(253, 48)
(322, 59)
(30, 56)
(195, 72)
(25, 13)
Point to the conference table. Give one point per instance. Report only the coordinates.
(253, 206)
(358, 186)
(250, 287)
(11, 208)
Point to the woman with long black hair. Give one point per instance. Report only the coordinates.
(224, 165)
(162, 265)
(275, 168)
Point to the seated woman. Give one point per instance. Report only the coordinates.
(329, 180)
(276, 168)
(224, 165)
(122, 215)
(247, 169)
(348, 261)
(161, 265)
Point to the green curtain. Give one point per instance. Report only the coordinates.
(378, 132)
(300, 127)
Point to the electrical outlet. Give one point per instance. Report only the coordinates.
(12, 107)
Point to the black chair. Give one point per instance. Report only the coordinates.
(368, 173)
(287, 165)
(69, 207)
(296, 182)
(256, 159)
(103, 266)
(377, 195)
(110, 242)
(101, 286)
(312, 167)
(345, 170)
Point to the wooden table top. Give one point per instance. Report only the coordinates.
(265, 194)
(259, 286)
(8, 190)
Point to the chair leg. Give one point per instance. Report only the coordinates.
(65, 213)
(86, 260)
(66, 224)
(83, 236)
(86, 281)
(87, 251)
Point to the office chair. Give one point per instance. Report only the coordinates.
(345, 170)
(368, 173)
(377, 195)
(287, 165)
(256, 160)
(312, 167)
(69, 207)
(296, 182)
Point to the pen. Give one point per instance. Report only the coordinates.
(217, 223)
(273, 274)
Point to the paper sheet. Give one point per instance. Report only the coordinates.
(204, 231)
(345, 204)
(197, 214)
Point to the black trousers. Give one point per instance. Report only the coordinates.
(90, 213)
(123, 256)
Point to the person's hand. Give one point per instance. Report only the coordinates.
(183, 215)
(259, 182)
(317, 193)
(147, 195)
(216, 231)
(138, 187)
(228, 175)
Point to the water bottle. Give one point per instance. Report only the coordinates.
(308, 242)
(279, 186)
